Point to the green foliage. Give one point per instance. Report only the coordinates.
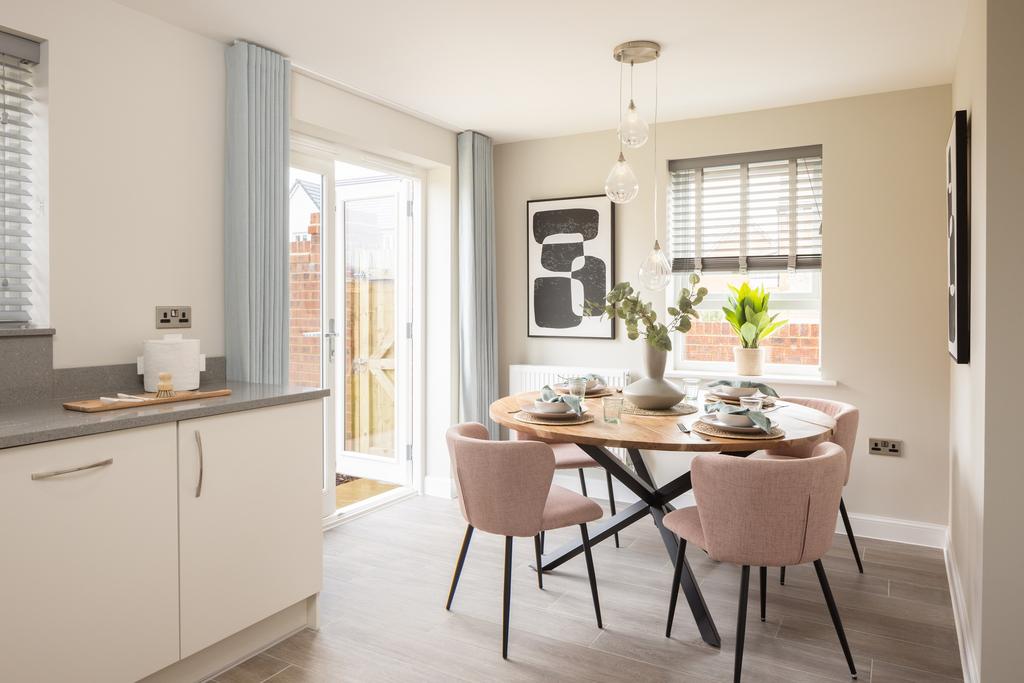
(624, 302)
(747, 313)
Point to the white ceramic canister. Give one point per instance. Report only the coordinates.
(175, 355)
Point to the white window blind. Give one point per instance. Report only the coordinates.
(18, 56)
(740, 212)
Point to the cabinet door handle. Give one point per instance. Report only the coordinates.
(56, 473)
(199, 484)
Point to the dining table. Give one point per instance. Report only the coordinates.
(634, 433)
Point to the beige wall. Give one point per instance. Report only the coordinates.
(883, 282)
(136, 137)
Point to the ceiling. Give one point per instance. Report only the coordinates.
(523, 69)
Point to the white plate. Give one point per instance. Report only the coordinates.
(549, 408)
(533, 412)
(734, 392)
(713, 420)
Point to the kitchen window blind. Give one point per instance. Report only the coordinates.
(740, 212)
(18, 57)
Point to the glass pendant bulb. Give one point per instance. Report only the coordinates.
(656, 272)
(621, 185)
(633, 130)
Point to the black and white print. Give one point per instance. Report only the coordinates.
(570, 245)
(958, 241)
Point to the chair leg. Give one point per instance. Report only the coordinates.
(611, 502)
(741, 622)
(507, 602)
(537, 551)
(849, 534)
(542, 543)
(676, 576)
(458, 565)
(764, 591)
(834, 612)
(590, 573)
(583, 482)
(782, 576)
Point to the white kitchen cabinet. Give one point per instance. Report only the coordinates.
(89, 558)
(249, 511)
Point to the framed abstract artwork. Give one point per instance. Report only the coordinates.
(570, 260)
(958, 240)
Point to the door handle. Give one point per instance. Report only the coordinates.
(36, 476)
(199, 484)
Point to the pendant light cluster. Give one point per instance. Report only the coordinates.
(621, 186)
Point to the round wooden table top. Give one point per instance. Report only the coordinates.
(803, 426)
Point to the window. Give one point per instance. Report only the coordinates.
(755, 217)
(18, 56)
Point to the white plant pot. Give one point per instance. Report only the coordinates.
(749, 362)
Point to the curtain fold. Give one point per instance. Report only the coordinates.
(478, 298)
(256, 215)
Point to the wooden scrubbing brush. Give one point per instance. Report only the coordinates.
(164, 388)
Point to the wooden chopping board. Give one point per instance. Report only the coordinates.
(95, 405)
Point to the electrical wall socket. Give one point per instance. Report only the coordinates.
(878, 446)
(173, 316)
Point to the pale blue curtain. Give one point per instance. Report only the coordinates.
(256, 215)
(478, 325)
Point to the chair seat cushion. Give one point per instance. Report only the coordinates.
(685, 523)
(569, 456)
(566, 508)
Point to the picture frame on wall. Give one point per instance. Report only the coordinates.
(570, 259)
(958, 240)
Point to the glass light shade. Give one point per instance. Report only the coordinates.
(656, 271)
(633, 130)
(621, 185)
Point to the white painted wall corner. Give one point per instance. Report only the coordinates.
(968, 650)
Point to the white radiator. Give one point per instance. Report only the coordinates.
(532, 377)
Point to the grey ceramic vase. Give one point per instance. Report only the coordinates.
(653, 392)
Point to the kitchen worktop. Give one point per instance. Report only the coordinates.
(43, 421)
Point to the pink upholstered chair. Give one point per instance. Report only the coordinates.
(847, 418)
(569, 456)
(505, 488)
(767, 513)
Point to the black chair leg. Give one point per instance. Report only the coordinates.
(458, 565)
(849, 534)
(741, 622)
(590, 573)
(782, 576)
(537, 552)
(583, 482)
(542, 543)
(507, 603)
(764, 591)
(834, 612)
(611, 502)
(676, 577)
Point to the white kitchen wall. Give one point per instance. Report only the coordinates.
(883, 317)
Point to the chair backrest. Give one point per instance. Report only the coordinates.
(847, 418)
(769, 512)
(503, 485)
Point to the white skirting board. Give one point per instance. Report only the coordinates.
(968, 650)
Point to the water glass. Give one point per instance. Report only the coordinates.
(577, 386)
(612, 409)
(691, 387)
(751, 403)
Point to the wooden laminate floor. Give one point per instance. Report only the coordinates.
(387, 576)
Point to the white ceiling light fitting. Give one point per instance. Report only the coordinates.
(621, 186)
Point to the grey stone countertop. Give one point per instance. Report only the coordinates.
(49, 421)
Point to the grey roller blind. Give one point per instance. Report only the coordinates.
(740, 212)
(16, 176)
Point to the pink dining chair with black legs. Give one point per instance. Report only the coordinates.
(763, 513)
(505, 489)
(847, 419)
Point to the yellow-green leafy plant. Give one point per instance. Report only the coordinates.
(748, 315)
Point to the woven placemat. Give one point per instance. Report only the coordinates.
(531, 420)
(675, 411)
(706, 429)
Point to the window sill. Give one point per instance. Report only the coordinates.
(796, 380)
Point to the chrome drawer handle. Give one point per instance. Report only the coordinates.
(36, 476)
(199, 484)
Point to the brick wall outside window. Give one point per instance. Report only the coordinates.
(795, 343)
(305, 273)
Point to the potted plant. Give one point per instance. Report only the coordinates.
(652, 392)
(748, 315)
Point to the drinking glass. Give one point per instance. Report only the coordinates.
(751, 403)
(691, 387)
(577, 386)
(612, 409)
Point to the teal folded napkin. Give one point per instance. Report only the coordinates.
(743, 384)
(549, 395)
(760, 420)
